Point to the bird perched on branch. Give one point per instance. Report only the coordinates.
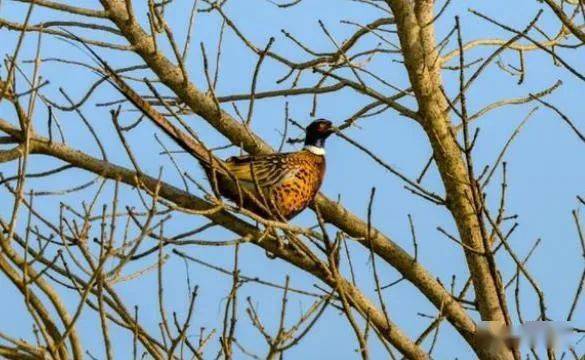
(275, 186)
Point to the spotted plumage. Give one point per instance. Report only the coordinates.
(277, 186)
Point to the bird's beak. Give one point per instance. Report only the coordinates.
(332, 130)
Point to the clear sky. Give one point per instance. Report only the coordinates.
(545, 169)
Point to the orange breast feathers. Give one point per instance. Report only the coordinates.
(288, 181)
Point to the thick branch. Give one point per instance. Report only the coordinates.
(420, 55)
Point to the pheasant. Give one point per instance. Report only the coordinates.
(275, 186)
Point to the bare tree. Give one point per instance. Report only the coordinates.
(136, 205)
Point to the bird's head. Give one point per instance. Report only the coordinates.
(317, 132)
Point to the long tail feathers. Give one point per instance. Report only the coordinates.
(189, 143)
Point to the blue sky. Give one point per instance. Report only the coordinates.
(544, 167)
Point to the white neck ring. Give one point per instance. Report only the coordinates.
(315, 149)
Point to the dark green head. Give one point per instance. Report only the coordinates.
(317, 132)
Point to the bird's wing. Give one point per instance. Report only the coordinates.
(266, 170)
